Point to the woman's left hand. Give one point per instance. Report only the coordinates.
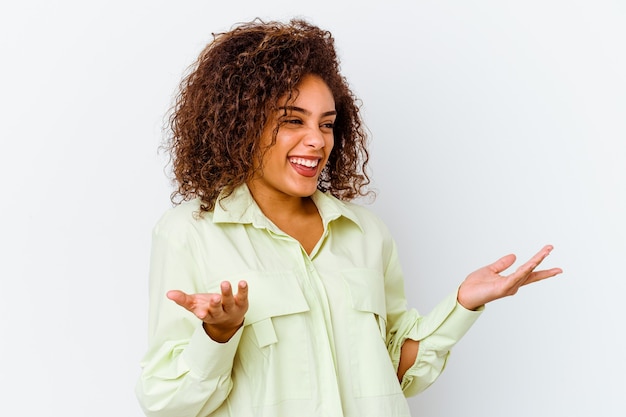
(486, 284)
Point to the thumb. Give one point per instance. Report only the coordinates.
(502, 263)
(179, 297)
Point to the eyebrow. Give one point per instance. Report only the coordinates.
(306, 112)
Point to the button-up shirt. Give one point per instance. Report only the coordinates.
(323, 332)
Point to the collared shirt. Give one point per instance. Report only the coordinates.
(323, 331)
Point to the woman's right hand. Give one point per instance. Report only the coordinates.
(222, 314)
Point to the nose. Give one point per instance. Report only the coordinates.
(314, 138)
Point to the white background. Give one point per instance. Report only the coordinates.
(497, 126)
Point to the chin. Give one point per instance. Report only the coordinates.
(304, 192)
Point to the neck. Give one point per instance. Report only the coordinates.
(278, 205)
(296, 216)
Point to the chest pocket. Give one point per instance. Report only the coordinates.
(374, 374)
(275, 344)
(367, 294)
(272, 295)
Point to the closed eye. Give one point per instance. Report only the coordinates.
(291, 121)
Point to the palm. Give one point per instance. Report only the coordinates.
(221, 313)
(487, 284)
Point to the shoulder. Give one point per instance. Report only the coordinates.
(369, 221)
(374, 233)
(365, 214)
(181, 220)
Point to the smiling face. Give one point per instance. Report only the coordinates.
(292, 166)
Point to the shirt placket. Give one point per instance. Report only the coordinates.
(324, 342)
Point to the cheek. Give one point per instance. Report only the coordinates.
(270, 160)
(330, 144)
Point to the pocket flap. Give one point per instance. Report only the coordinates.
(273, 294)
(367, 290)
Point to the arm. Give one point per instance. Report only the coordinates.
(422, 344)
(408, 355)
(483, 286)
(185, 372)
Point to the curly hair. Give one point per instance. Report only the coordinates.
(229, 94)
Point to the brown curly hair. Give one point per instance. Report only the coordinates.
(231, 91)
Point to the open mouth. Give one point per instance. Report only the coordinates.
(304, 166)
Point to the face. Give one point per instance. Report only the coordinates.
(292, 166)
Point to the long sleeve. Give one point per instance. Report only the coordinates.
(437, 331)
(184, 372)
(296, 353)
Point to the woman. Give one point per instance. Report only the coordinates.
(267, 151)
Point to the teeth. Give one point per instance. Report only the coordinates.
(306, 162)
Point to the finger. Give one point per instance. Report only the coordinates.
(534, 262)
(228, 301)
(214, 308)
(502, 263)
(242, 294)
(181, 298)
(541, 255)
(541, 275)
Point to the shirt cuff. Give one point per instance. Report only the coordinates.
(205, 357)
(448, 319)
(437, 333)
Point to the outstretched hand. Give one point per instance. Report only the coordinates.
(486, 284)
(222, 314)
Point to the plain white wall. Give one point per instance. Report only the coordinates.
(497, 126)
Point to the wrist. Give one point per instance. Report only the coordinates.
(220, 334)
(465, 302)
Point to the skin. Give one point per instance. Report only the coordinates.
(283, 189)
(282, 193)
(305, 137)
(485, 285)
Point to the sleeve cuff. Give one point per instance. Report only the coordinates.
(206, 357)
(437, 333)
(448, 318)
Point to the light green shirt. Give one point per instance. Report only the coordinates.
(323, 332)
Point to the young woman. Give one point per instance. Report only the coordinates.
(271, 294)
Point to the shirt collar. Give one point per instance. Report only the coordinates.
(240, 207)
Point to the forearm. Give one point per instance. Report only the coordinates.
(420, 363)
(408, 355)
(187, 378)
